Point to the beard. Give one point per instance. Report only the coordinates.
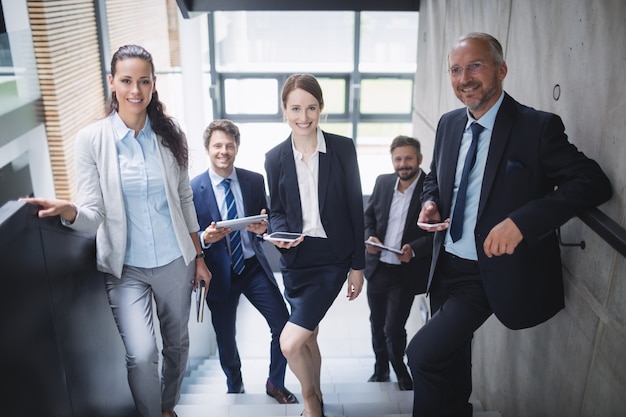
(407, 173)
(480, 103)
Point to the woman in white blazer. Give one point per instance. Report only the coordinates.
(134, 193)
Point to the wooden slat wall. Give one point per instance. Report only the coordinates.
(68, 61)
(173, 13)
(141, 22)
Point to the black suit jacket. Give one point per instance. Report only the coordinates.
(415, 272)
(529, 156)
(339, 193)
(217, 256)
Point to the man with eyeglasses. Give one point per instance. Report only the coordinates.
(503, 179)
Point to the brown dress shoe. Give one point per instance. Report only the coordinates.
(282, 395)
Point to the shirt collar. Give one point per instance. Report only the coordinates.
(122, 131)
(488, 119)
(413, 184)
(321, 145)
(216, 179)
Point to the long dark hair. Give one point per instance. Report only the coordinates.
(164, 126)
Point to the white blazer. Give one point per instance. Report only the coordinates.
(100, 204)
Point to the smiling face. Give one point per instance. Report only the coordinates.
(222, 150)
(302, 111)
(406, 162)
(133, 85)
(477, 81)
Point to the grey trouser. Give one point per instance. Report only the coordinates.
(130, 298)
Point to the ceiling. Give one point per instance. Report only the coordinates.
(192, 8)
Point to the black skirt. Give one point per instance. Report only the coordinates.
(313, 281)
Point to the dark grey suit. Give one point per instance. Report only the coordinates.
(391, 289)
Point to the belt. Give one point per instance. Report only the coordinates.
(457, 259)
(389, 266)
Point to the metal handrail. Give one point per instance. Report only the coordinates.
(607, 228)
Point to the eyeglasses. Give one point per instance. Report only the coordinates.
(473, 68)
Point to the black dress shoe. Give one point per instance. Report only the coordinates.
(282, 395)
(405, 384)
(378, 378)
(237, 391)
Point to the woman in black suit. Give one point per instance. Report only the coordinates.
(315, 190)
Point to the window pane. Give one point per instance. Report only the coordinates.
(386, 96)
(373, 140)
(284, 41)
(251, 96)
(343, 129)
(388, 42)
(334, 93)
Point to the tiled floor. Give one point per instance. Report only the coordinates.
(347, 362)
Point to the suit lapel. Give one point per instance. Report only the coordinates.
(449, 156)
(385, 199)
(324, 174)
(415, 205)
(499, 138)
(286, 160)
(208, 197)
(246, 189)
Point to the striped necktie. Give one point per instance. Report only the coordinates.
(236, 250)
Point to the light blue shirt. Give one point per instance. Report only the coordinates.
(466, 246)
(150, 241)
(220, 197)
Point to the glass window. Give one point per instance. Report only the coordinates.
(388, 42)
(335, 95)
(284, 41)
(251, 96)
(386, 96)
(372, 146)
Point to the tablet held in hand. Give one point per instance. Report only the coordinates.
(241, 223)
(283, 237)
(383, 247)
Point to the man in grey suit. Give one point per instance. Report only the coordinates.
(393, 279)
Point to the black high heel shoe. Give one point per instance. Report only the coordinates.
(321, 406)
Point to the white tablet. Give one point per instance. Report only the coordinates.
(241, 223)
(383, 247)
(283, 236)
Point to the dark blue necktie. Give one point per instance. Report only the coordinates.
(236, 250)
(456, 228)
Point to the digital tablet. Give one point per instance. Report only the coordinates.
(283, 237)
(383, 247)
(241, 223)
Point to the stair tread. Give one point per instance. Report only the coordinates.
(346, 394)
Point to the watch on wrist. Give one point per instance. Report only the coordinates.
(200, 255)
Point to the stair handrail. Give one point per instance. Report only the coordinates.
(607, 228)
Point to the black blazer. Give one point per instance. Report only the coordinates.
(415, 272)
(529, 156)
(217, 257)
(339, 192)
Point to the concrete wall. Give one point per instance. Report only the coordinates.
(575, 364)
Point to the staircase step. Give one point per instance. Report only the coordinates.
(345, 393)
